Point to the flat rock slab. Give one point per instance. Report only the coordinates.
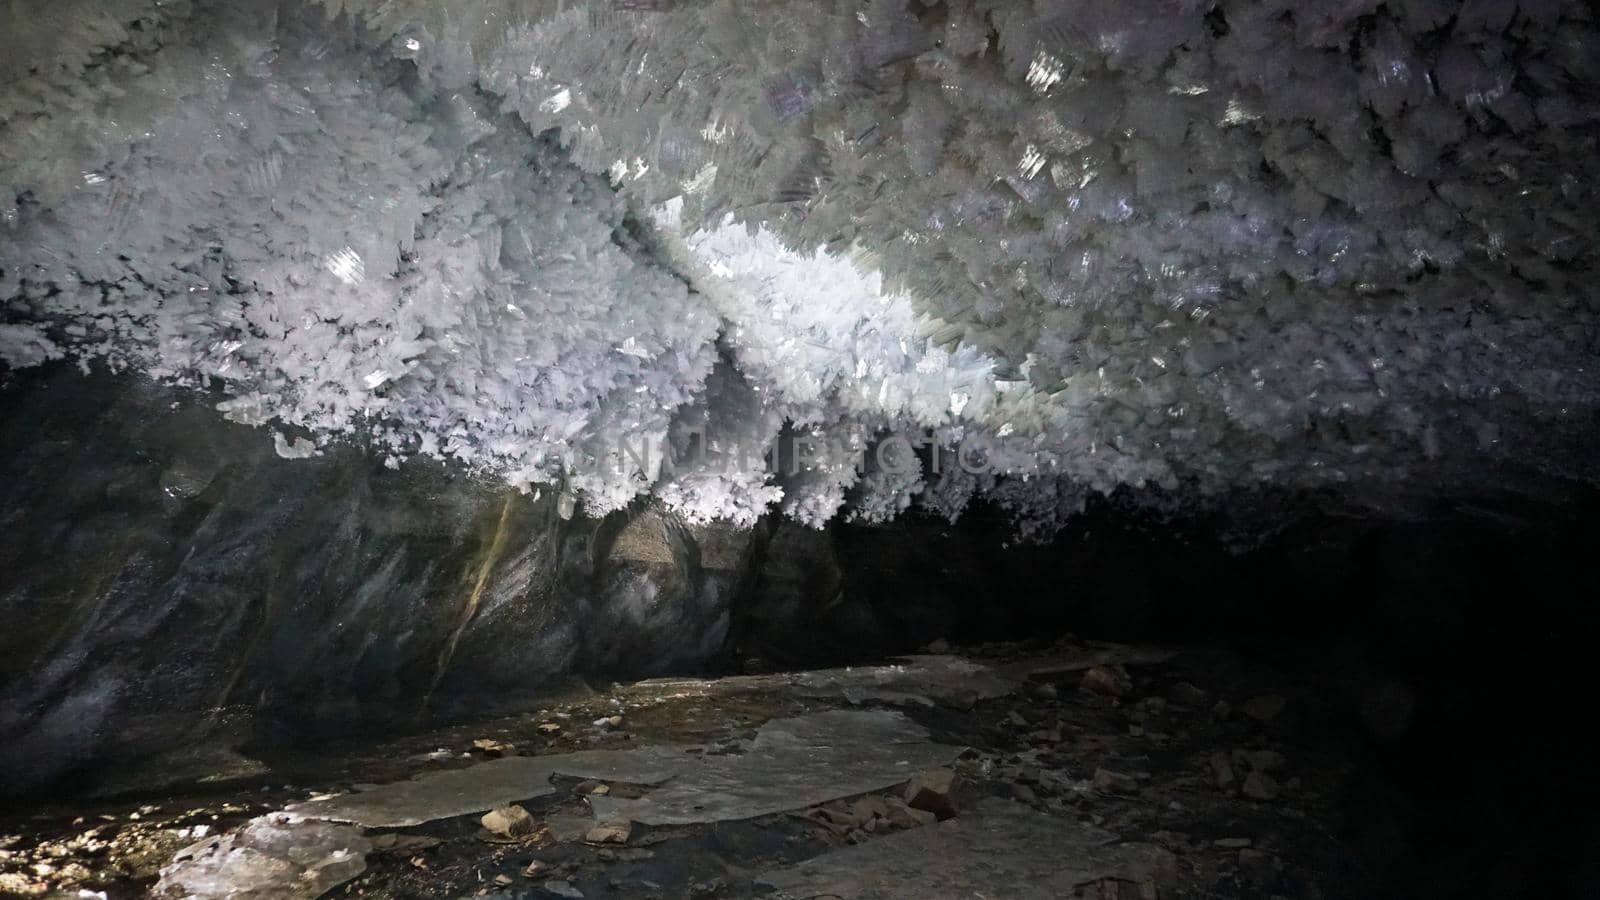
(274, 857)
(474, 789)
(927, 679)
(1078, 659)
(998, 850)
(791, 764)
(919, 679)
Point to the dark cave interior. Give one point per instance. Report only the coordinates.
(799, 449)
(1436, 667)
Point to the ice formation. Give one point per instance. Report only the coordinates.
(1064, 247)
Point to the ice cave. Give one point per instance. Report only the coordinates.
(852, 449)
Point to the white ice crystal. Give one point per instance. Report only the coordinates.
(1195, 245)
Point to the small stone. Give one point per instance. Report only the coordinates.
(549, 727)
(608, 722)
(533, 869)
(562, 889)
(502, 880)
(931, 791)
(492, 747)
(1264, 708)
(1232, 843)
(1189, 695)
(1260, 786)
(588, 787)
(609, 833)
(1016, 718)
(939, 646)
(1045, 691)
(1110, 782)
(1111, 681)
(1259, 863)
(508, 821)
(1221, 770)
(72, 873)
(1264, 760)
(1024, 793)
(906, 817)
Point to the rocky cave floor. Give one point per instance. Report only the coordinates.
(1066, 769)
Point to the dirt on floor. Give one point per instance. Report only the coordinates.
(1142, 772)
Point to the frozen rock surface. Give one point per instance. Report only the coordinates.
(791, 764)
(274, 857)
(997, 849)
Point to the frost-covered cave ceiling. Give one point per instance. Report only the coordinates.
(1192, 245)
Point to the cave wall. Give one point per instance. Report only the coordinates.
(168, 581)
(164, 576)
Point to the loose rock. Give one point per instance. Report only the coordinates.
(1264, 708)
(1111, 782)
(931, 791)
(508, 821)
(1111, 681)
(492, 747)
(1260, 786)
(1221, 770)
(609, 833)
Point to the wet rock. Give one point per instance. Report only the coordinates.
(270, 858)
(931, 791)
(1260, 786)
(878, 812)
(998, 849)
(1388, 708)
(1222, 774)
(1258, 864)
(563, 889)
(1263, 760)
(609, 833)
(791, 764)
(508, 821)
(568, 828)
(1110, 681)
(402, 843)
(1264, 708)
(492, 748)
(1110, 782)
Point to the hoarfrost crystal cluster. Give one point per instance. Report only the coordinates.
(1201, 246)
